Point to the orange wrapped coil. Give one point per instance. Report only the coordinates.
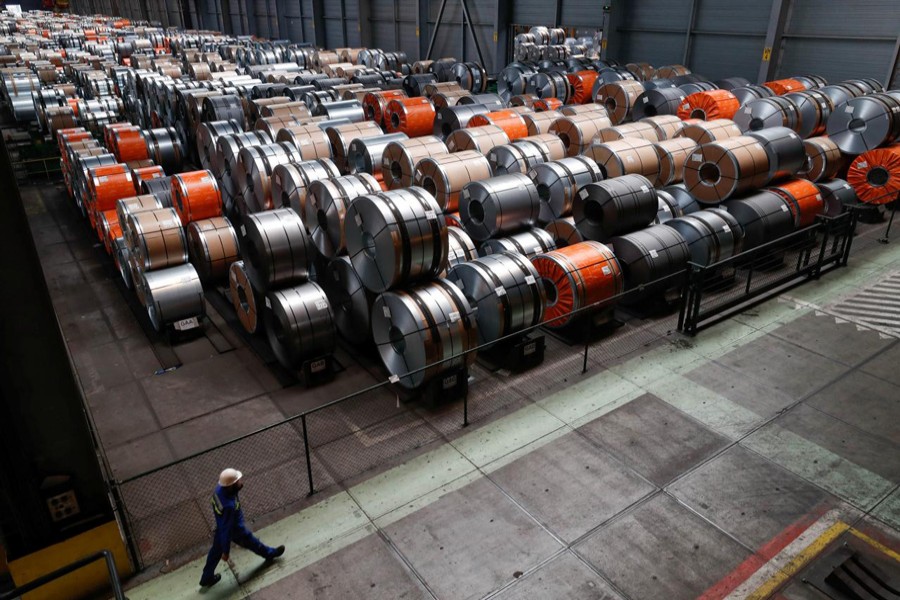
(509, 121)
(143, 174)
(75, 134)
(129, 144)
(109, 229)
(711, 104)
(875, 175)
(803, 199)
(784, 86)
(375, 103)
(106, 185)
(412, 116)
(196, 196)
(582, 84)
(109, 139)
(577, 276)
(547, 104)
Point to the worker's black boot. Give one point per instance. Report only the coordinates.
(278, 552)
(216, 578)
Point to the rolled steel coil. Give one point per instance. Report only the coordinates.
(454, 118)
(141, 174)
(708, 105)
(838, 94)
(652, 260)
(424, 331)
(276, 248)
(759, 114)
(196, 196)
(443, 176)
(365, 155)
(519, 156)
(160, 188)
(499, 205)
(641, 130)
(667, 208)
(667, 127)
(129, 144)
(705, 132)
(750, 92)
(564, 232)
(480, 139)
(551, 84)
(626, 156)
(106, 184)
(506, 292)
(557, 183)
(686, 201)
(657, 84)
(396, 237)
(513, 79)
(121, 258)
(172, 294)
(156, 239)
(340, 137)
(253, 174)
(813, 108)
(641, 71)
(290, 182)
(350, 301)
(712, 235)
(823, 159)
(579, 278)
(228, 146)
(207, 134)
(108, 229)
(413, 116)
(719, 170)
(784, 148)
(448, 98)
(309, 140)
(670, 71)
(875, 175)
(693, 87)
(803, 198)
(400, 157)
(865, 123)
(326, 208)
(764, 217)
(529, 243)
(730, 83)
(212, 247)
(166, 149)
(582, 84)
(247, 301)
(375, 103)
(352, 110)
(224, 108)
(547, 104)
(299, 324)
(540, 122)
(659, 101)
(299, 110)
(672, 155)
(619, 98)
(613, 207)
(838, 194)
(470, 76)
(509, 121)
(577, 132)
(414, 83)
(460, 247)
(784, 86)
(135, 204)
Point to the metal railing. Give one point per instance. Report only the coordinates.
(104, 555)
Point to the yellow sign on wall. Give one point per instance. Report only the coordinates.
(767, 53)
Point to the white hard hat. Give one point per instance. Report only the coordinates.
(229, 477)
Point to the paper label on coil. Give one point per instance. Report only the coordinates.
(243, 230)
(318, 366)
(747, 110)
(645, 189)
(186, 324)
(268, 302)
(846, 186)
(823, 105)
(583, 194)
(128, 176)
(818, 196)
(429, 215)
(862, 164)
(529, 279)
(322, 304)
(629, 158)
(386, 311)
(394, 378)
(696, 157)
(454, 316)
(848, 109)
(277, 179)
(726, 228)
(685, 106)
(784, 208)
(645, 100)
(358, 220)
(606, 270)
(537, 250)
(500, 290)
(792, 135)
(654, 253)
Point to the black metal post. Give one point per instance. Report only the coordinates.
(587, 343)
(466, 410)
(471, 25)
(437, 25)
(886, 239)
(309, 475)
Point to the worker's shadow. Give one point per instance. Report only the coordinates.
(247, 575)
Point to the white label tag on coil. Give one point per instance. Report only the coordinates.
(386, 311)
(322, 304)
(277, 179)
(862, 165)
(537, 250)
(848, 109)
(726, 228)
(645, 100)
(784, 208)
(529, 279)
(606, 270)
(429, 214)
(792, 135)
(846, 186)
(358, 220)
(243, 230)
(268, 302)
(819, 197)
(645, 189)
(394, 378)
(500, 290)
(685, 106)
(630, 158)
(654, 253)
(747, 110)
(583, 194)
(128, 176)
(186, 324)
(696, 157)
(464, 194)
(823, 105)
(454, 316)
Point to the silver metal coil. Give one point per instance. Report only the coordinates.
(499, 205)
(299, 324)
(253, 174)
(172, 294)
(614, 207)
(351, 302)
(365, 155)
(207, 134)
(564, 232)
(290, 182)
(557, 182)
(276, 248)
(711, 234)
(326, 208)
(529, 243)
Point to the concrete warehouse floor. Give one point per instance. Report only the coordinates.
(674, 468)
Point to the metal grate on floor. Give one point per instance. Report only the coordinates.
(876, 307)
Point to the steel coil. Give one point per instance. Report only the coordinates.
(365, 155)
(865, 123)
(564, 232)
(659, 101)
(515, 157)
(460, 247)
(803, 199)
(652, 260)
(642, 130)
(207, 135)
(608, 208)
(767, 112)
(626, 156)
(454, 118)
(705, 132)
(470, 76)
(413, 116)
(299, 324)
(290, 182)
(375, 103)
(212, 247)
(783, 86)
(764, 217)
(326, 208)
(672, 155)
(166, 149)
(135, 204)
(712, 235)
(395, 238)
(619, 98)
(172, 294)
(253, 174)
(529, 243)
(875, 175)
(196, 196)
(160, 188)
(667, 126)
(814, 108)
(551, 84)
(309, 140)
(351, 302)
(838, 195)
(448, 98)
(749, 92)
(400, 157)
(340, 137)
(479, 139)
(499, 205)
(708, 105)
(540, 122)
(784, 149)
(224, 108)
(246, 300)
(277, 249)
(823, 159)
(719, 170)
(444, 176)
(557, 182)
(506, 292)
(547, 104)
(509, 121)
(156, 239)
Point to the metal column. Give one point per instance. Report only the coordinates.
(422, 27)
(772, 48)
(365, 28)
(689, 35)
(501, 33)
(318, 10)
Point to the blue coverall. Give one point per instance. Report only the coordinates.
(230, 528)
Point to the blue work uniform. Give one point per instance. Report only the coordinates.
(230, 527)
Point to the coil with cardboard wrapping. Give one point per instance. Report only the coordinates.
(578, 131)
(576, 277)
(444, 99)
(290, 182)
(400, 157)
(582, 83)
(212, 247)
(783, 86)
(704, 132)
(767, 112)
(658, 101)
(615, 206)
(626, 156)
(708, 105)
(156, 239)
(803, 198)
(326, 207)
(195, 196)
(135, 204)
(309, 140)
(875, 175)
(823, 159)
(276, 248)
(629, 130)
(299, 324)
(712, 235)
(667, 127)
(480, 139)
(172, 294)
(424, 331)
(619, 98)
(413, 116)
(396, 237)
(106, 184)
(509, 121)
(444, 176)
(506, 292)
(547, 104)
(246, 300)
(672, 155)
(340, 137)
(719, 170)
(128, 144)
(375, 103)
(540, 122)
(784, 148)
(499, 205)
